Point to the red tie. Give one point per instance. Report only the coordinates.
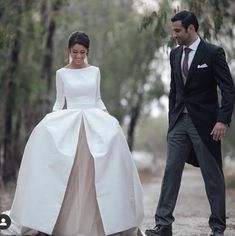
(185, 62)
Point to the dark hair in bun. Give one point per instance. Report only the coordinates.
(79, 38)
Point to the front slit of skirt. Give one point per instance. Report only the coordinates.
(79, 214)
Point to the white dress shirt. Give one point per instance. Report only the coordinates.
(194, 47)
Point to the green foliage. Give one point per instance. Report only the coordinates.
(230, 183)
(212, 15)
(117, 45)
(127, 67)
(21, 87)
(149, 20)
(120, 48)
(159, 19)
(151, 135)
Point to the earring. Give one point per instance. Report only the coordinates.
(86, 59)
(70, 58)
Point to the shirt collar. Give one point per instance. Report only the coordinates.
(194, 45)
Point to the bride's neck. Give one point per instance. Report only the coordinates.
(74, 66)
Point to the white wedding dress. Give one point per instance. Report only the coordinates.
(77, 176)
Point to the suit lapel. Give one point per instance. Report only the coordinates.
(178, 64)
(199, 55)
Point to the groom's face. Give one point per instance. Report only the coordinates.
(179, 33)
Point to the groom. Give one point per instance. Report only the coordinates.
(197, 122)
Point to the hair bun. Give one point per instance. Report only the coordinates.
(79, 37)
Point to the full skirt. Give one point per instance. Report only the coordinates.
(77, 177)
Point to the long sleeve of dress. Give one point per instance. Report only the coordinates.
(99, 102)
(60, 98)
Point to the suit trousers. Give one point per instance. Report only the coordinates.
(180, 141)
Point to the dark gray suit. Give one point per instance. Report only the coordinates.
(189, 138)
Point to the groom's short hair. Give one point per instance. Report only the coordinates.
(187, 18)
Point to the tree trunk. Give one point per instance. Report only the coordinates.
(134, 116)
(43, 100)
(48, 50)
(48, 57)
(9, 163)
(17, 147)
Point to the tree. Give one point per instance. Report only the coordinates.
(33, 45)
(19, 79)
(9, 85)
(151, 133)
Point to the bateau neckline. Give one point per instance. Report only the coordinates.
(82, 68)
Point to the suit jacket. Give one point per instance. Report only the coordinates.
(208, 71)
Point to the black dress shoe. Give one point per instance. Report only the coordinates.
(217, 233)
(159, 230)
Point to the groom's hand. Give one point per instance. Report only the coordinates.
(219, 131)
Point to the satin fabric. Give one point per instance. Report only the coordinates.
(50, 156)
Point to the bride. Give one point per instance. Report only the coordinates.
(77, 176)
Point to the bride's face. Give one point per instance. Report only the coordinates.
(78, 54)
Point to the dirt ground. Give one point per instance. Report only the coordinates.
(192, 209)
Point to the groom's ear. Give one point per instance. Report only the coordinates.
(191, 28)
